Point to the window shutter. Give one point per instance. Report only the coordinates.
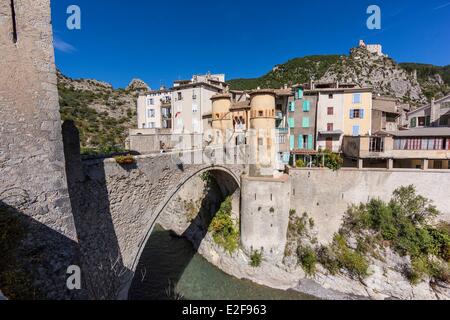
(361, 113)
(413, 122)
(292, 142)
(300, 93)
(310, 142)
(292, 106)
(351, 114)
(291, 122)
(300, 142)
(305, 123)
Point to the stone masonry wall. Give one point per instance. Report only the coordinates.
(32, 169)
(115, 208)
(325, 195)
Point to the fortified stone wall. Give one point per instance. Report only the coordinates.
(325, 195)
(265, 215)
(33, 184)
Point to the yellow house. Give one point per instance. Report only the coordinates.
(358, 112)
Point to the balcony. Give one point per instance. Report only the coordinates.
(397, 147)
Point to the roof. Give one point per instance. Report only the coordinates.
(240, 105)
(195, 84)
(421, 132)
(429, 105)
(283, 92)
(221, 96)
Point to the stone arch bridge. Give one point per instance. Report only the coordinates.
(115, 208)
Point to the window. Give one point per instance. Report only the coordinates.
(151, 113)
(310, 142)
(150, 102)
(329, 127)
(306, 106)
(305, 122)
(357, 114)
(292, 142)
(299, 93)
(180, 96)
(376, 144)
(194, 95)
(194, 107)
(356, 98)
(300, 142)
(421, 121)
(291, 122)
(151, 125)
(260, 141)
(260, 113)
(292, 106)
(355, 131)
(413, 122)
(330, 111)
(330, 96)
(281, 139)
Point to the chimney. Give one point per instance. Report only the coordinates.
(434, 114)
(311, 84)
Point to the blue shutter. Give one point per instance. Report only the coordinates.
(351, 113)
(355, 131)
(292, 142)
(300, 93)
(300, 142)
(361, 112)
(310, 142)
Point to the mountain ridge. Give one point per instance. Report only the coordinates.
(415, 83)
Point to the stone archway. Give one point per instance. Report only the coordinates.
(227, 184)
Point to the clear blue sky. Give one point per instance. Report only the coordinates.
(161, 41)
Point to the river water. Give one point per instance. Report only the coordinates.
(171, 269)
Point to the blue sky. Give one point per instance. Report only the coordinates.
(162, 41)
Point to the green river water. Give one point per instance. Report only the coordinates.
(170, 264)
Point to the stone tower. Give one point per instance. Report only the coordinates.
(33, 182)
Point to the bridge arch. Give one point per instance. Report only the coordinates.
(228, 181)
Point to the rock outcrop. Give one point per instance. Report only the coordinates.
(367, 69)
(137, 85)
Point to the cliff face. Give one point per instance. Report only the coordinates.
(101, 113)
(382, 73)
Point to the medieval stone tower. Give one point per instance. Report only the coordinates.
(33, 184)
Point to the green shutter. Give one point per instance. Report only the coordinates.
(413, 122)
(292, 106)
(300, 142)
(291, 122)
(306, 106)
(300, 93)
(292, 142)
(427, 121)
(310, 142)
(305, 122)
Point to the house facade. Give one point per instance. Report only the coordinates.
(152, 108)
(357, 112)
(435, 114)
(301, 119)
(191, 102)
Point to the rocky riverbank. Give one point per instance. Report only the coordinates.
(385, 278)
